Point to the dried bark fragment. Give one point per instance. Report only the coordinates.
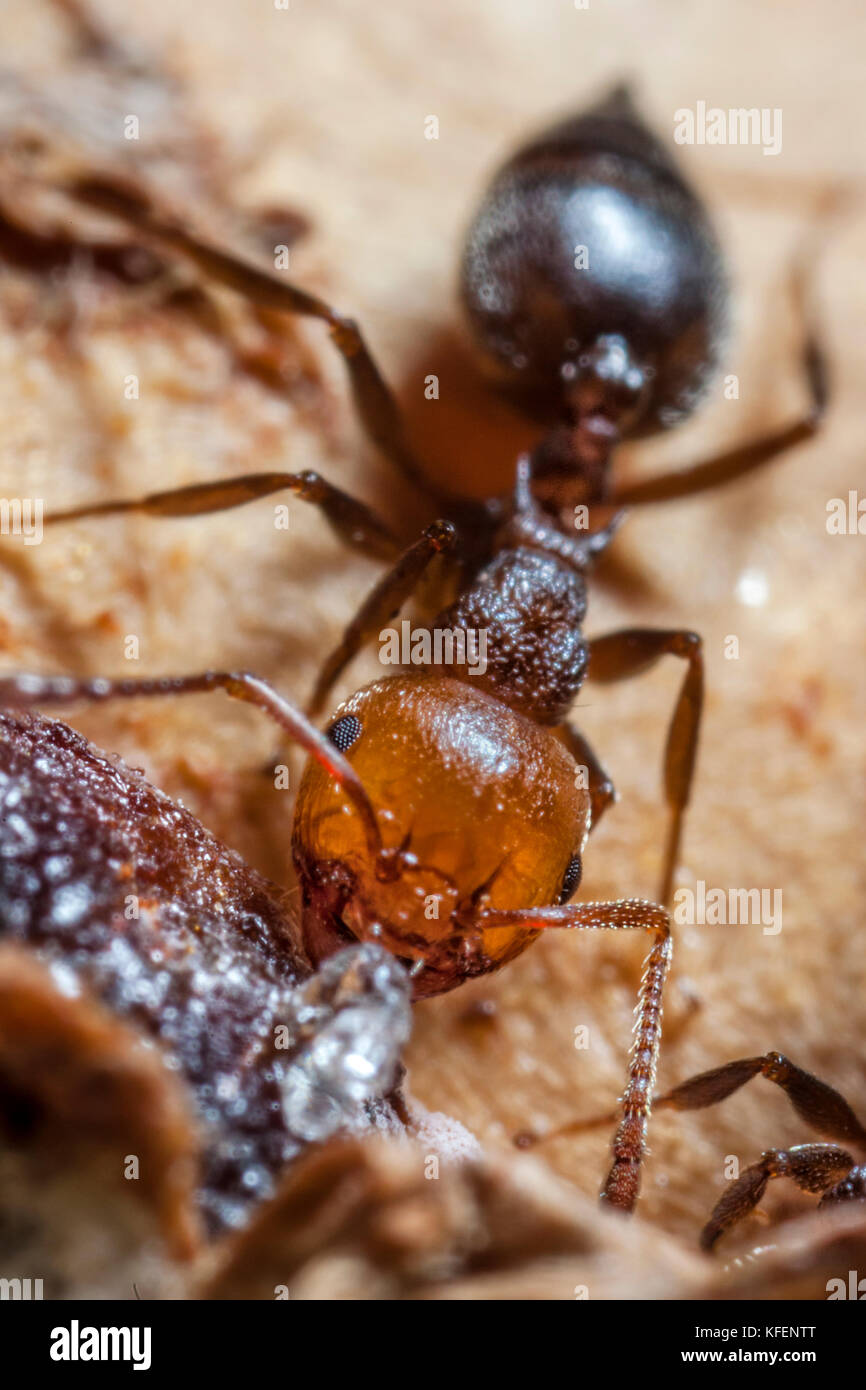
(365, 1220)
(125, 894)
(81, 1100)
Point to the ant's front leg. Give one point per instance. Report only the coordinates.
(621, 655)
(622, 1185)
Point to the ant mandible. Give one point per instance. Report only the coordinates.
(466, 790)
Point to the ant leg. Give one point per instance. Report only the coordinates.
(852, 1188)
(631, 914)
(745, 458)
(819, 1105)
(352, 521)
(621, 655)
(374, 400)
(29, 691)
(813, 1167)
(382, 604)
(602, 792)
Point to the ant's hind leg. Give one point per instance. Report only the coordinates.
(621, 655)
(381, 605)
(376, 405)
(351, 520)
(629, 1144)
(745, 458)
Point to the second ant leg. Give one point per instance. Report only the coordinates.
(816, 1103)
(813, 1167)
(352, 521)
(382, 604)
(375, 402)
(621, 655)
(819, 1105)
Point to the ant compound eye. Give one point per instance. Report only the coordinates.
(343, 732)
(571, 880)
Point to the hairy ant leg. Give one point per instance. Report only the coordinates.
(621, 655)
(818, 1104)
(382, 604)
(622, 1185)
(813, 1167)
(30, 691)
(353, 521)
(745, 458)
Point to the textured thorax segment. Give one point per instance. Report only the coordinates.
(530, 605)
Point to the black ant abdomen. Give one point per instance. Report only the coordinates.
(592, 278)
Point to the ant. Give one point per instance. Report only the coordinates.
(474, 793)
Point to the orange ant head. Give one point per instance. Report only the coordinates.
(477, 806)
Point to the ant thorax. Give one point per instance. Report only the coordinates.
(531, 605)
